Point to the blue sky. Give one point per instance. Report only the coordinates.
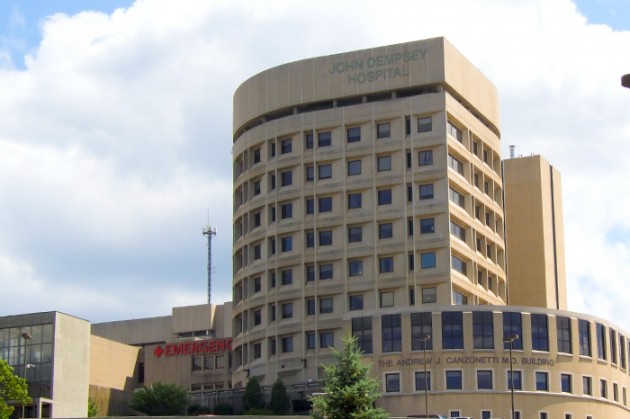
(115, 135)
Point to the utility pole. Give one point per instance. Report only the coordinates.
(210, 232)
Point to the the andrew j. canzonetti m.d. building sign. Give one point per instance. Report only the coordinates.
(370, 198)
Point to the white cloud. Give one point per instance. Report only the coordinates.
(116, 137)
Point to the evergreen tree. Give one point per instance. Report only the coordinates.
(350, 392)
(280, 402)
(12, 388)
(253, 397)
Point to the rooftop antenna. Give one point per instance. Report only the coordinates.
(210, 232)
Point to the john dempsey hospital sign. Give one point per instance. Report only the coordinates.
(379, 67)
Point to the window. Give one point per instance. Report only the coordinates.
(423, 381)
(484, 379)
(452, 330)
(385, 231)
(387, 299)
(286, 177)
(459, 299)
(310, 340)
(310, 206)
(354, 200)
(603, 388)
(542, 381)
(355, 234)
(540, 332)
(324, 139)
(325, 204)
(616, 392)
(421, 328)
(272, 346)
(325, 271)
(458, 231)
(425, 158)
(454, 380)
(310, 307)
(324, 171)
(286, 244)
(308, 141)
(287, 310)
(384, 196)
(287, 277)
(563, 326)
(325, 305)
(391, 331)
(392, 382)
(458, 265)
(286, 146)
(456, 197)
(517, 380)
(601, 341)
(486, 414)
(257, 317)
(427, 225)
(355, 302)
(383, 130)
(384, 163)
(257, 187)
(257, 284)
(355, 267)
(426, 191)
(613, 345)
(287, 344)
(353, 134)
(272, 312)
(309, 173)
(565, 383)
(544, 415)
(455, 164)
(257, 252)
(584, 330)
(454, 131)
(427, 260)
(257, 155)
(286, 211)
(325, 238)
(429, 295)
(483, 331)
(512, 326)
(386, 264)
(257, 219)
(326, 339)
(354, 167)
(362, 330)
(425, 124)
(622, 351)
(310, 272)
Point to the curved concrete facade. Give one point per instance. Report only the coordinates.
(367, 190)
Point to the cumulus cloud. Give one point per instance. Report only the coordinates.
(116, 137)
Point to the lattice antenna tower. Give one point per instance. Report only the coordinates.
(210, 232)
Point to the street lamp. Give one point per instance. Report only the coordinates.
(424, 339)
(510, 339)
(625, 80)
(25, 337)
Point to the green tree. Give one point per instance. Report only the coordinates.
(160, 400)
(12, 387)
(253, 397)
(349, 390)
(280, 401)
(92, 408)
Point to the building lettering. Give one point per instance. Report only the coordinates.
(194, 347)
(359, 70)
(465, 360)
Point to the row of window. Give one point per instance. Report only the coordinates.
(452, 332)
(454, 380)
(325, 138)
